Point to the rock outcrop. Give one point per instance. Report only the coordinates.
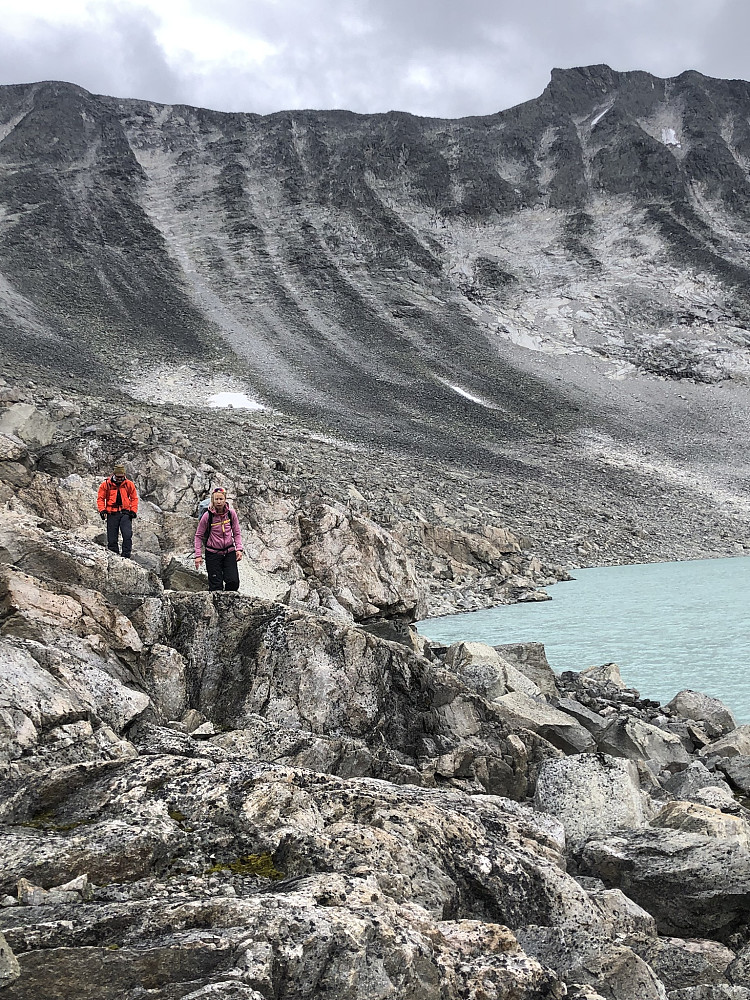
(226, 795)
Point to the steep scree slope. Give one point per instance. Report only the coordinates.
(571, 272)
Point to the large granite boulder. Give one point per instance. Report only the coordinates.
(695, 886)
(367, 570)
(687, 783)
(635, 739)
(737, 770)
(530, 659)
(558, 728)
(591, 795)
(583, 956)
(300, 670)
(714, 714)
(479, 667)
(683, 962)
(734, 744)
(331, 933)
(25, 421)
(478, 856)
(333, 557)
(693, 817)
(44, 686)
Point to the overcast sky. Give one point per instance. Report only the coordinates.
(431, 57)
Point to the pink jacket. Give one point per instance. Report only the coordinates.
(225, 534)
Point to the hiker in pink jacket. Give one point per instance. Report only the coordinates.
(219, 530)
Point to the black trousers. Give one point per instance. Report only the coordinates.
(116, 523)
(223, 571)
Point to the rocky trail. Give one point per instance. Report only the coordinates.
(287, 792)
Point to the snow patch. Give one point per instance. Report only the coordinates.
(235, 400)
(600, 116)
(468, 395)
(669, 138)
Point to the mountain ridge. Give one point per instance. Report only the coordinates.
(499, 291)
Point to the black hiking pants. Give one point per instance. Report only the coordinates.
(116, 523)
(223, 571)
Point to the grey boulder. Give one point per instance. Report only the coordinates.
(695, 886)
(591, 794)
(699, 707)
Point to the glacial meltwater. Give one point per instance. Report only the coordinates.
(669, 626)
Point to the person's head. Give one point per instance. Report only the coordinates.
(219, 497)
(119, 473)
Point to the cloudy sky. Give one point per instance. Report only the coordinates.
(431, 57)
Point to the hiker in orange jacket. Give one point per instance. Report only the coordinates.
(117, 501)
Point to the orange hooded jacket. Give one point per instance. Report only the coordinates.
(106, 498)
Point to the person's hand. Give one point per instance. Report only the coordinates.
(238, 553)
(103, 515)
(132, 515)
(198, 561)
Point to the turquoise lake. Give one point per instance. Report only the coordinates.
(669, 626)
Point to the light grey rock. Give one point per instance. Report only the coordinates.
(692, 817)
(51, 684)
(695, 777)
(204, 731)
(559, 729)
(703, 708)
(245, 658)
(192, 720)
(580, 955)
(364, 566)
(9, 968)
(531, 659)
(166, 672)
(623, 917)
(591, 794)
(336, 930)
(479, 667)
(717, 798)
(632, 738)
(25, 421)
(592, 721)
(683, 962)
(734, 744)
(653, 867)
(607, 673)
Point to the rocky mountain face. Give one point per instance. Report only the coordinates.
(559, 286)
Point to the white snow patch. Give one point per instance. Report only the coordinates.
(669, 137)
(468, 395)
(600, 115)
(236, 400)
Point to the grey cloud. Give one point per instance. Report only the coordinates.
(430, 57)
(485, 54)
(117, 54)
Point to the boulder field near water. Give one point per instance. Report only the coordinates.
(287, 792)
